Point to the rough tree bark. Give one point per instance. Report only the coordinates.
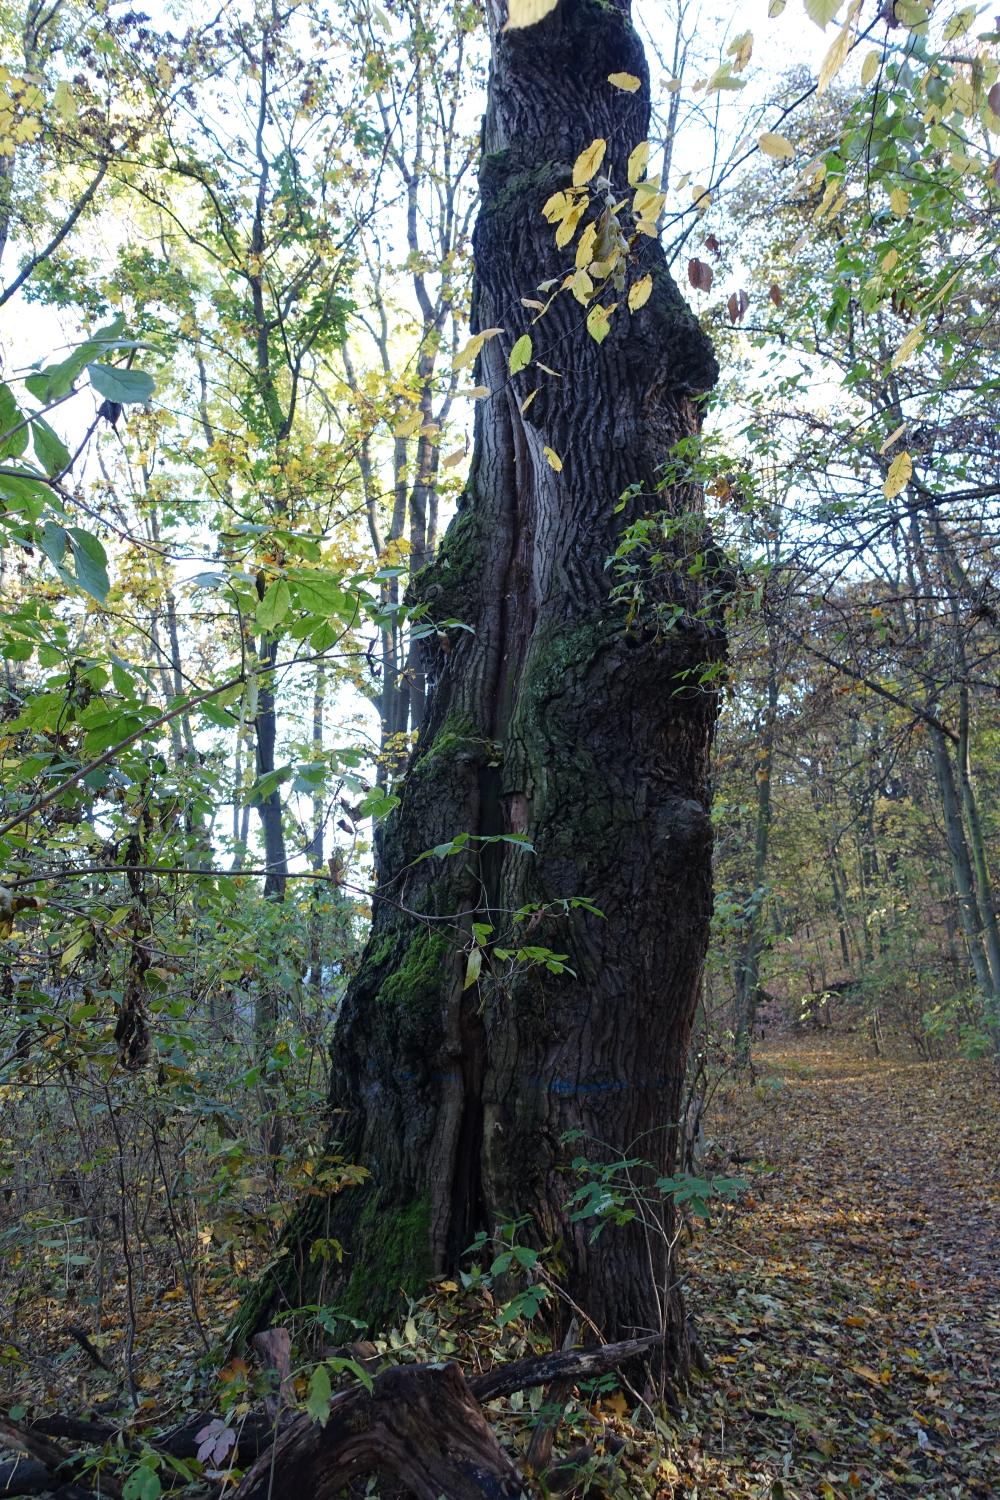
(551, 720)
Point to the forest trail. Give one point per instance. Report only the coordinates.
(851, 1305)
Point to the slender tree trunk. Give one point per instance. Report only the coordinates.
(962, 873)
(549, 722)
(748, 972)
(977, 845)
(269, 810)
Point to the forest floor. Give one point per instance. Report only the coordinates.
(850, 1306)
(848, 1303)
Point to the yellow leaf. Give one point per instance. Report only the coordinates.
(164, 72)
(599, 322)
(582, 287)
(870, 67)
(549, 371)
(700, 197)
(588, 161)
(899, 202)
(528, 12)
(775, 8)
(907, 347)
(409, 425)
(638, 162)
(837, 55)
(552, 459)
(648, 200)
(741, 49)
(557, 207)
(468, 355)
(585, 249)
(640, 293)
(476, 392)
(890, 259)
(567, 228)
(776, 145)
(527, 401)
(453, 459)
(520, 355)
(884, 449)
(627, 82)
(448, 1286)
(898, 477)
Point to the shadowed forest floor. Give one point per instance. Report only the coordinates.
(851, 1304)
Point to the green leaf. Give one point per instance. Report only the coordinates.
(56, 381)
(126, 387)
(822, 11)
(473, 968)
(24, 493)
(274, 606)
(322, 594)
(12, 443)
(318, 1398)
(520, 355)
(53, 542)
(51, 451)
(142, 1484)
(91, 563)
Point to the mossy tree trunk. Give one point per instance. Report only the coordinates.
(552, 720)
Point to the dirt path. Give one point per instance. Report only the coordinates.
(851, 1308)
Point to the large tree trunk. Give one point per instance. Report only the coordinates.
(554, 721)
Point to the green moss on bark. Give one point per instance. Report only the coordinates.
(416, 983)
(391, 1255)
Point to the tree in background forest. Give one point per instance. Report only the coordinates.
(564, 761)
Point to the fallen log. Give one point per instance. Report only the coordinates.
(420, 1425)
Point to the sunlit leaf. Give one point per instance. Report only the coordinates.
(777, 146)
(589, 161)
(527, 12)
(899, 475)
(520, 355)
(837, 54)
(552, 459)
(638, 162)
(822, 11)
(627, 82)
(640, 293)
(599, 322)
(907, 347)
